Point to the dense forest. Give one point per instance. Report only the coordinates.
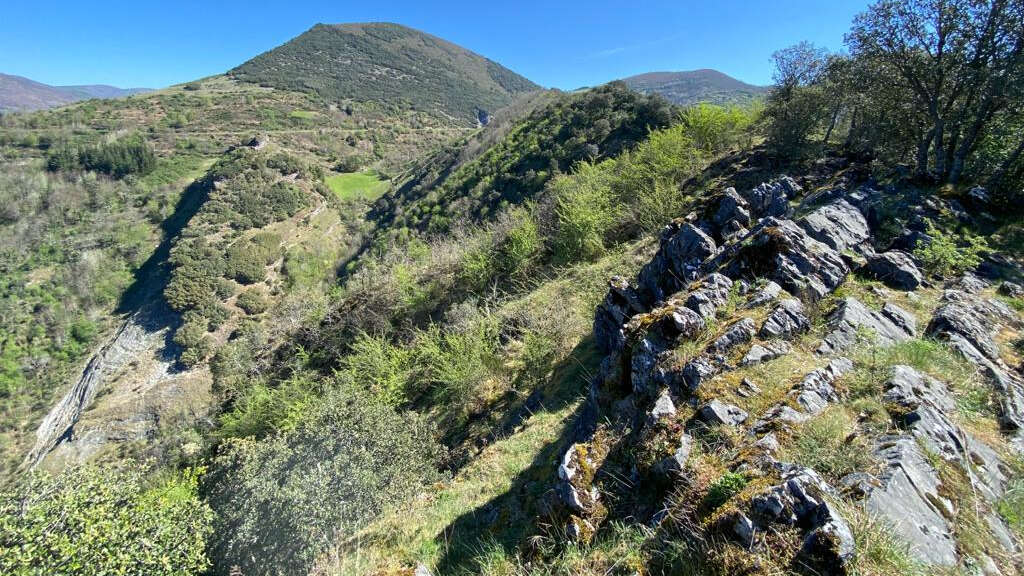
(300, 381)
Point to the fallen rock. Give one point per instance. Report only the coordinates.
(759, 353)
(717, 412)
(896, 269)
(850, 317)
(786, 320)
(697, 371)
(1011, 289)
(740, 332)
(663, 408)
(839, 225)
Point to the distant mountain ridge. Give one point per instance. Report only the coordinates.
(18, 93)
(387, 63)
(693, 86)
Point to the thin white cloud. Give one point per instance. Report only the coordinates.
(629, 47)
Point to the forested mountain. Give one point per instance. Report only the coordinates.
(18, 93)
(313, 317)
(387, 63)
(694, 86)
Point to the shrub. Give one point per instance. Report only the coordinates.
(194, 341)
(585, 210)
(99, 520)
(724, 488)
(521, 246)
(282, 499)
(385, 369)
(944, 256)
(252, 301)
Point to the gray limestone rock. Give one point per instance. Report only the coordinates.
(839, 225)
(717, 412)
(786, 320)
(684, 247)
(759, 353)
(740, 332)
(851, 317)
(896, 269)
(909, 499)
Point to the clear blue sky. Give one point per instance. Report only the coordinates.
(555, 43)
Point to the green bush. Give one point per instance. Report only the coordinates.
(282, 500)
(724, 488)
(944, 256)
(585, 210)
(99, 520)
(194, 340)
(252, 301)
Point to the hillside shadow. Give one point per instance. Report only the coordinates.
(525, 508)
(151, 278)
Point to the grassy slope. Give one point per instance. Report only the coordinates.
(367, 186)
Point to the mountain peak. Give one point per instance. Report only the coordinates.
(387, 62)
(693, 86)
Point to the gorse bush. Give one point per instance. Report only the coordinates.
(586, 209)
(100, 520)
(282, 499)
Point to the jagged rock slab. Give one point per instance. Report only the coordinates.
(896, 269)
(738, 333)
(782, 251)
(816, 391)
(619, 305)
(683, 249)
(909, 499)
(768, 293)
(712, 294)
(732, 208)
(850, 316)
(759, 353)
(772, 198)
(839, 225)
(786, 320)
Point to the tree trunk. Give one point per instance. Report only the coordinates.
(923, 145)
(940, 152)
(831, 126)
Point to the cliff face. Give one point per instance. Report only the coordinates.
(781, 381)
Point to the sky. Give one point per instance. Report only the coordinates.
(556, 43)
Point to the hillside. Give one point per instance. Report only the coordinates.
(693, 86)
(314, 316)
(19, 93)
(387, 63)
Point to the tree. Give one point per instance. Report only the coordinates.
(961, 60)
(796, 106)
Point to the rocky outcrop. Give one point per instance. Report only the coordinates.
(783, 252)
(896, 269)
(969, 323)
(907, 495)
(851, 319)
(772, 198)
(683, 248)
(839, 225)
(786, 320)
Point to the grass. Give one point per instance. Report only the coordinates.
(303, 114)
(366, 186)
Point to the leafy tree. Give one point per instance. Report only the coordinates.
(962, 60)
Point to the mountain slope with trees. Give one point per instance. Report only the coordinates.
(387, 63)
(695, 86)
